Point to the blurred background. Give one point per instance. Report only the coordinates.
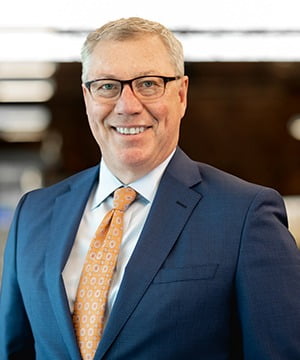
(244, 102)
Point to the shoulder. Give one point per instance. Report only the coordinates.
(229, 194)
(87, 176)
(224, 180)
(218, 185)
(205, 175)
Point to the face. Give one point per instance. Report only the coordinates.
(130, 156)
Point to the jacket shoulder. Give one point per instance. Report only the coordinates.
(85, 176)
(228, 188)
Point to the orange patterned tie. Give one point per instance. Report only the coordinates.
(97, 273)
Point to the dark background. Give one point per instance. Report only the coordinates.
(236, 120)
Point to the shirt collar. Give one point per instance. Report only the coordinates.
(146, 186)
(107, 184)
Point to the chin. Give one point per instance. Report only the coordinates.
(134, 157)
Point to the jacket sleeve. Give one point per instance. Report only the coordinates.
(268, 282)
(16, 340)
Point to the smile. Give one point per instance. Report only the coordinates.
(131, 131)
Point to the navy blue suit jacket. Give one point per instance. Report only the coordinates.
(215, 274)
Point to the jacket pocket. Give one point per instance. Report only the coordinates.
(203, 272)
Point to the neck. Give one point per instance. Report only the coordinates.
(128, 176)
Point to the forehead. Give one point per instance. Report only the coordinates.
(130, 58)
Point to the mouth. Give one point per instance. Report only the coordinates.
(131, 130)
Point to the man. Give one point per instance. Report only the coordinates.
(206, 269)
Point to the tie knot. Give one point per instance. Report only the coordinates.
(123, 197)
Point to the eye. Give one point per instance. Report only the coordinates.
(107, 86)
(149, 86)
(147, 83)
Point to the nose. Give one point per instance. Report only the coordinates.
(128, 103)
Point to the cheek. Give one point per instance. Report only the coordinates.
(97, 127)
(160, 113)
(96, 116)
(93, 119)
(170, 119)
(170, 112)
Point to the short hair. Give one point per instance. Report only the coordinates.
(128, 28)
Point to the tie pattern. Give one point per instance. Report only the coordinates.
(97, 273)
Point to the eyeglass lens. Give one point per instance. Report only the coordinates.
(145, 87)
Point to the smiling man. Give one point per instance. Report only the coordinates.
(188, 262)
(136, 123)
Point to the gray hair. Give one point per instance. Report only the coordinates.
(132, 27)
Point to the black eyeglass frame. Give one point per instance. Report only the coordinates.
(165, 79)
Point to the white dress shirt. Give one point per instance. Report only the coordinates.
(99, 203)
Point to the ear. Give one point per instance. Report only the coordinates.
(84, 90)
(86, 95)
(183, 91)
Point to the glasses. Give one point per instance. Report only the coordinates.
(144, 87)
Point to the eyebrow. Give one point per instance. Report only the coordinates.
(114, 77)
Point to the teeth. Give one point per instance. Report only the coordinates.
(130, 131)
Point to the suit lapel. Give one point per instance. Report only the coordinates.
(67, 212)
(173, 204)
